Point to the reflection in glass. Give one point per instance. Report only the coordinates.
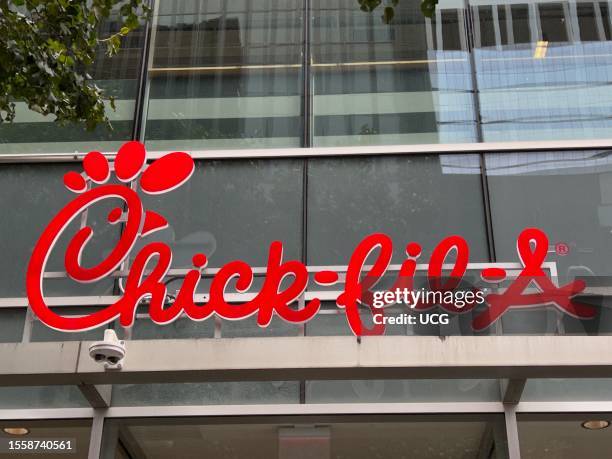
(563, 438)
(357, 438)
(543, 70)
(32, 194)
(77, 431)
(225, 75)
(12, 321)
(404, 83)
(396, 391)
(569, 196)
(117, 76)
(565, 390)
(421, 198)
(229, 210)
(232, 210)
(210, 393)
(34, 397)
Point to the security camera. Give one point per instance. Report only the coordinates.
(110, 351)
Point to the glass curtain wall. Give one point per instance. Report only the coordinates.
(321, 208)
(478, 71)
(225, 74)
(406, 82)
(271, 73)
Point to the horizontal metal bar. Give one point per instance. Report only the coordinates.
(277, 153)
(305, 409)
(565, 407)
(524, 408)
(262, 270)
(154, 71)
(46, 413)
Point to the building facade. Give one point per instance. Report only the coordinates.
(316, 124)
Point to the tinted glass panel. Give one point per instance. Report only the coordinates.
(214, 393)
(547, 80)
(569, 196)
(233, 210)
(76, 431)
(563, 438)
(376, 83)
(356, 438)
(117, 76)
(226, 74)
(421, 198)
(31, 196)
(41, 397)
(380, 391)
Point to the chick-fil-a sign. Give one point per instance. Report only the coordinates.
(368, 263)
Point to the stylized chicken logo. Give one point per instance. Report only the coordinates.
(275, 296)
(130, 165)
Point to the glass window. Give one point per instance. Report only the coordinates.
(32, 194)
(520, 23)
(487, 25)
(403, 83)
(35, 397)
(182, 328)
(569, 196)
(567, 390)
(563, 437)
(358, 438)
(421, 198)
(226, 75)
(411, 198)
(553, 22)
(76, 431)
(587, 22)
(548, 80)
(232, 210)
(12, 321)
(42, 333)
(397, 391)
(211, 393)
(117, 76)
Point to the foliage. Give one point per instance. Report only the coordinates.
(46, 47)
(428, 7)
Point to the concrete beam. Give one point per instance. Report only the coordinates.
(294, 358)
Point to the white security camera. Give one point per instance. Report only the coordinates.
(110, 351)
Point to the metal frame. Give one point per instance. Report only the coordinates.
(377, 150)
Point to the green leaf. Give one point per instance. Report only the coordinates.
(46, 51)
(428, 7)
(388, 14)
(369, 5)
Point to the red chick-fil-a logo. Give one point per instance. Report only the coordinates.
(173, 170)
